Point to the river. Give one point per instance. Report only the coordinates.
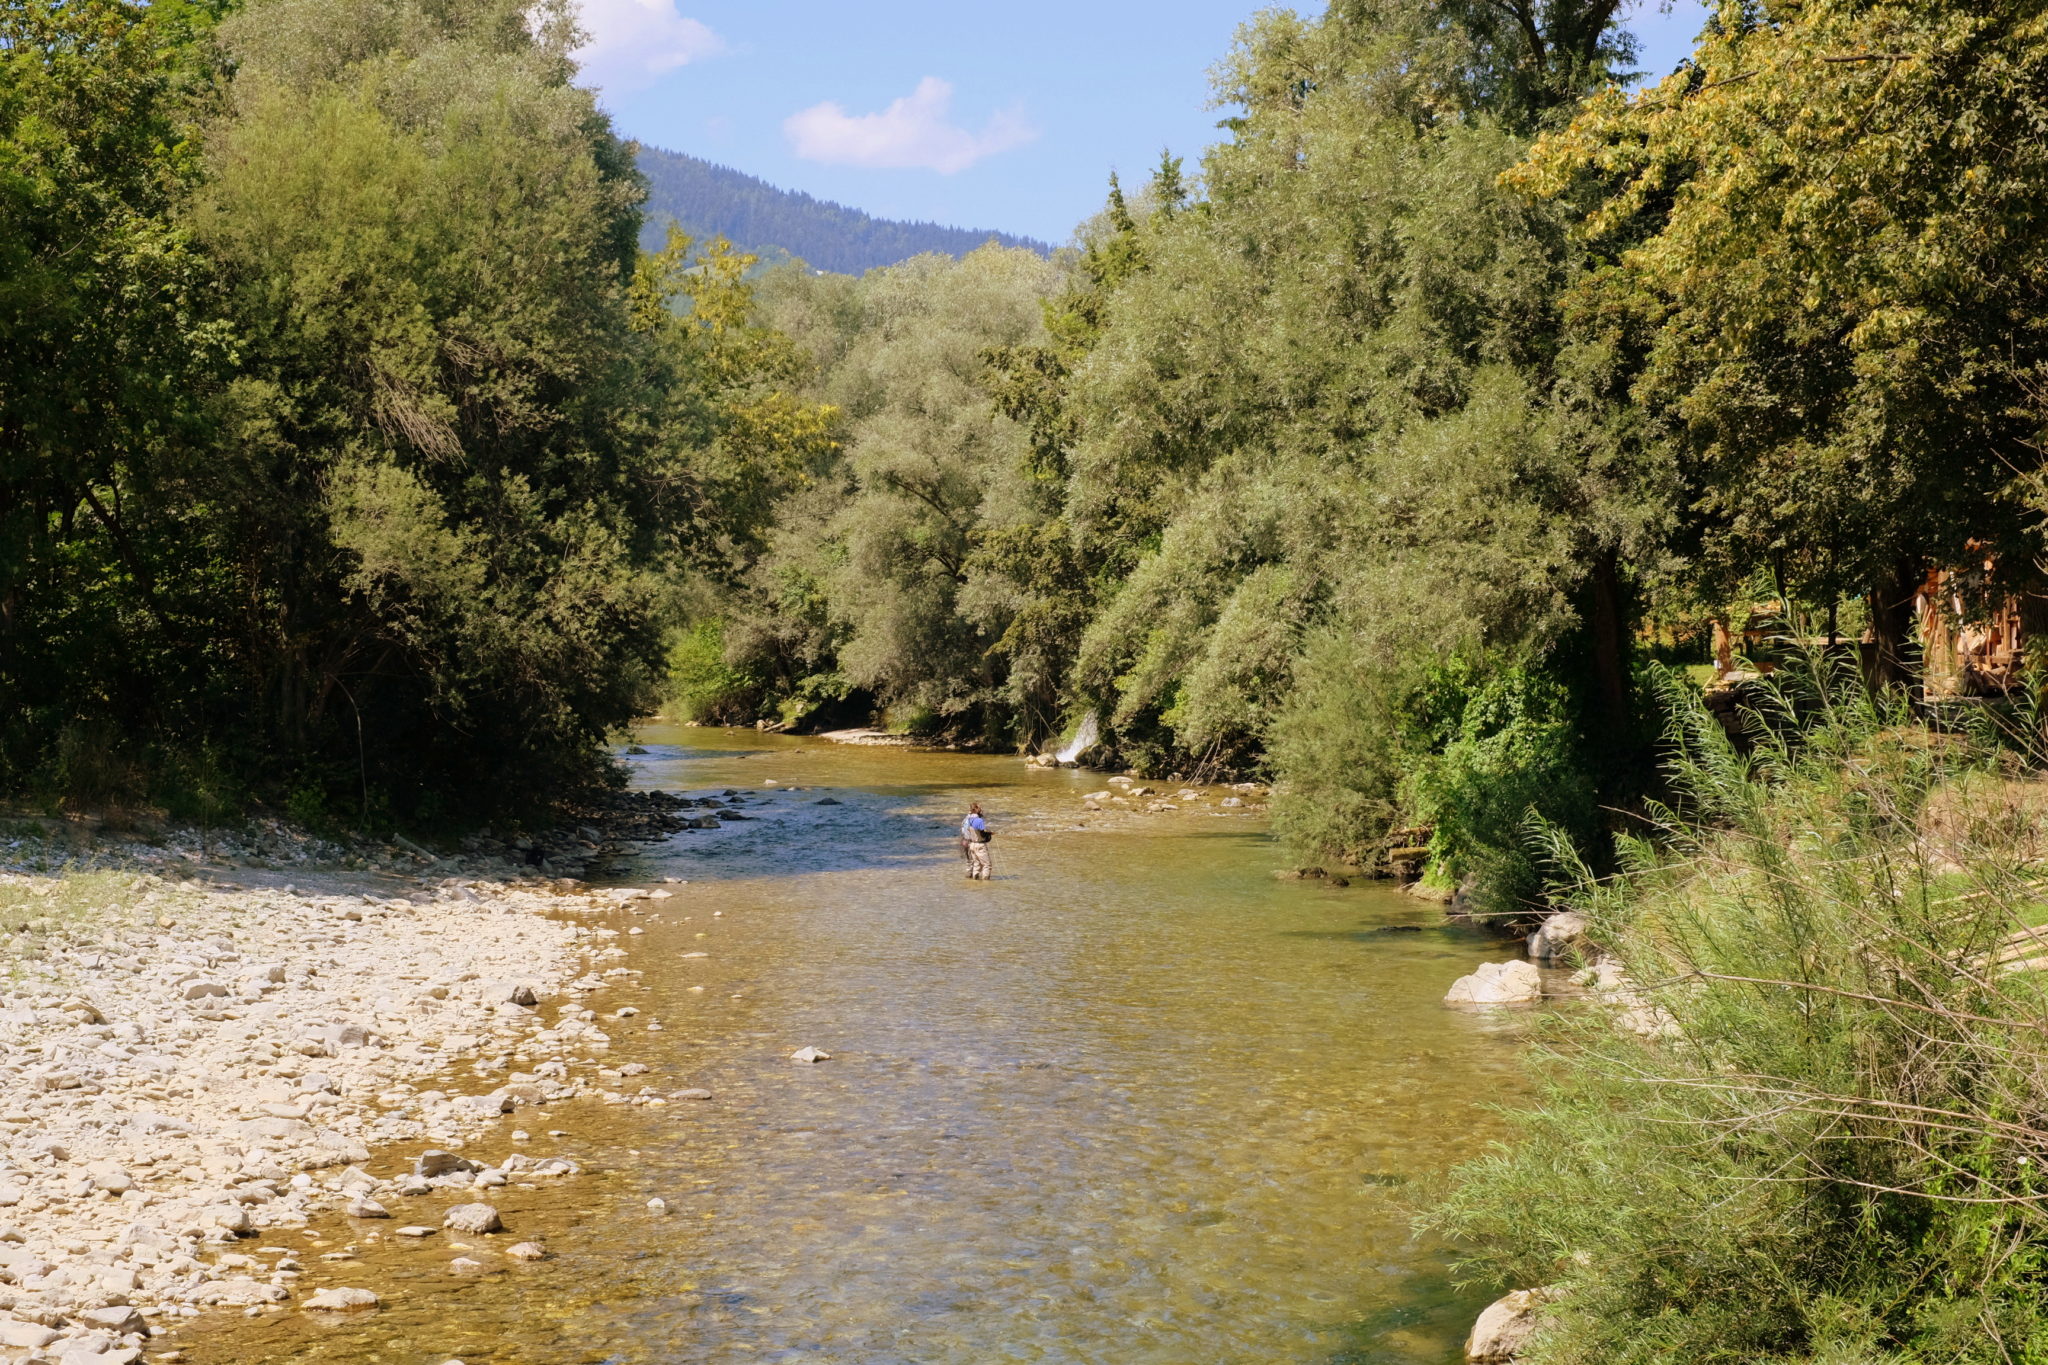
(1135, 1101)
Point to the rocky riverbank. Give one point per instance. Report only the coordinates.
(204, 1041)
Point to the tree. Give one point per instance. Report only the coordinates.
(880, 575)
(434, 450)
(1828, 246)
(1341, 398)
(103, 339)
(735, 438)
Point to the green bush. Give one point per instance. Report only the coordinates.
(703, 685)
(1368, 743)
(1819, 1139)
(1496, 748)
(1345, 744)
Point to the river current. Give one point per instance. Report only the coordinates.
(1136, 1101)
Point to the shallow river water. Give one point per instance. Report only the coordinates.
(1134, 1102)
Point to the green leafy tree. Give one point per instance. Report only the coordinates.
(736, 437)
(437, 437)
(1827, 246)
(1342, 416)
(104, 335)
(880, 578)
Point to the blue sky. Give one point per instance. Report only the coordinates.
(978, 115)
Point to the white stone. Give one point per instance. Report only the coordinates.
(118, 1319)
(1562, 934)
(1498, 983)
(472, 1218)
(30, 1335)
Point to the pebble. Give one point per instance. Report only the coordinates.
(527, 1251)
(415, 1230)
(810, 1054)
(175, 1082)
(432, 1163)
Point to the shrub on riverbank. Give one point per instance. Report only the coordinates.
(1834, 1151)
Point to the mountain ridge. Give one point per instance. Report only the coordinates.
(708, 200)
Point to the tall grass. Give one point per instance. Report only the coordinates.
(1839, 1154)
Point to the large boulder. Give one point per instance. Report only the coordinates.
(1505, 1328)
(1498, 983)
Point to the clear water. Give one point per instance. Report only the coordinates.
(1135, 1101)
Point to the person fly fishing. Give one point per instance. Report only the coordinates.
(974, 837)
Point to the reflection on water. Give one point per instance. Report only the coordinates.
(1134, 1101)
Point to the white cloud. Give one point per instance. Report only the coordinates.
(633, 43)
(913, 133)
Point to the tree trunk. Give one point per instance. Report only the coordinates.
(1894, 655)
(1607, 624)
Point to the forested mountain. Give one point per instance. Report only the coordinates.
(708, 200)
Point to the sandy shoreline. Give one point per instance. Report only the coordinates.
(186, 1061)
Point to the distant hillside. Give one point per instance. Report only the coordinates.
(708, 200)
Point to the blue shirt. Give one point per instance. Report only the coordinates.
(973, 822)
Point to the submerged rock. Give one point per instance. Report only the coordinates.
(342, 1300)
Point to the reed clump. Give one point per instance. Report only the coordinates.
(1838, 1152)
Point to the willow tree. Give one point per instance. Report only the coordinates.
(874, 582)
(1342, 413)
